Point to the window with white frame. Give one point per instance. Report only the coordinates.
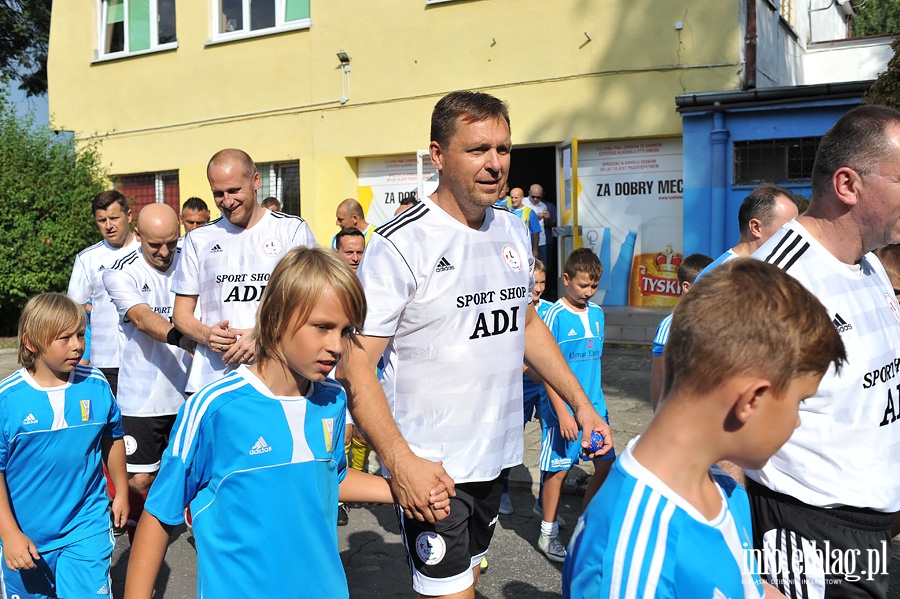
(238, 18)
(281, 180)
(130, 26)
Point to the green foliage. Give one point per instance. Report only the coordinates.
(24, 38)
(46, 188)
(877, 17)
(886, 89)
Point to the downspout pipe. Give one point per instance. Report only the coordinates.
(750, 47)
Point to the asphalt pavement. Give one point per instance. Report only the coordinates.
(370, 544)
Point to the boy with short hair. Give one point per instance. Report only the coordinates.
(667, 522)
(577, 325)
(688, 271)
(58, 421)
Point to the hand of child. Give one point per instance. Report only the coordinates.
(439, 499)
(20, 552)
(568, 427)
(120, 510)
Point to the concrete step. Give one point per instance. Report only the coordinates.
(633, 325)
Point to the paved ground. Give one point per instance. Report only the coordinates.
(370, 546)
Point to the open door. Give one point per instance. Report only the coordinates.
(567, 231)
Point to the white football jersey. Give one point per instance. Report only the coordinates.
(227, 268)
(86, 284)
(453, 300)
(153, 374)
(843, 451)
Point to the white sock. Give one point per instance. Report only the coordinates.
(549, 529)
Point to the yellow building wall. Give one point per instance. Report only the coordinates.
(592, 69)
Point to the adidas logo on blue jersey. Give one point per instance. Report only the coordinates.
(146, 287)
(444, 265)
(104, 590)
(260, 447)
(840, 324)
(215, 249)
(30, 419)
(573, 333)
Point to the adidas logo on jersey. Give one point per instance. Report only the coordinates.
(443, 265)
(104, 590)
(146, 287)
(30, 419)
(260, 447)
(840, 324)
(215, 249)
(573, 333)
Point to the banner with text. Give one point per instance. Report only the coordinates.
(630, 211)
(386, 180)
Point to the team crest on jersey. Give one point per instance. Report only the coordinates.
(87, 411)
(892, 304)
(512, 258)
(431, 547)
(590, 344)
(272, 247)
(328, 429)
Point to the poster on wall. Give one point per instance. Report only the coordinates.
(630, 211)
(385, 180)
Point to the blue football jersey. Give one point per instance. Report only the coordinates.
(50, 454)
(638, 538)
(261, 475)
(580, 339)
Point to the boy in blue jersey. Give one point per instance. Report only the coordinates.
(748, 344)
(688, 271)
(577, 325)
(259, 454)
(58, 420)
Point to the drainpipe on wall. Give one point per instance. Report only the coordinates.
(719, 141)
(750, 47)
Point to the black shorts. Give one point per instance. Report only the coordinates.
(112, 377)
(807, 551)
(441, 555)
(146, 438)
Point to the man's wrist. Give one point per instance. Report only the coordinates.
(174, 337)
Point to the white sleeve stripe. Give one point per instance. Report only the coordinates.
(615, 584)
(640, 545)
(195, 409)
(12, 381)
(659, 552)
(546, 451)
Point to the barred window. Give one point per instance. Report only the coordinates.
(774, 160)
(149, 188)
(281, 180)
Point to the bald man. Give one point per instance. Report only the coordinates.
(349, 213)
(155, 355)
(226, 265)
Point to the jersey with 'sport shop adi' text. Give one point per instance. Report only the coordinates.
(50, 453)
(453, 301)
(227, 268)
(153, 373)
(857, 410)
(261, 475)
